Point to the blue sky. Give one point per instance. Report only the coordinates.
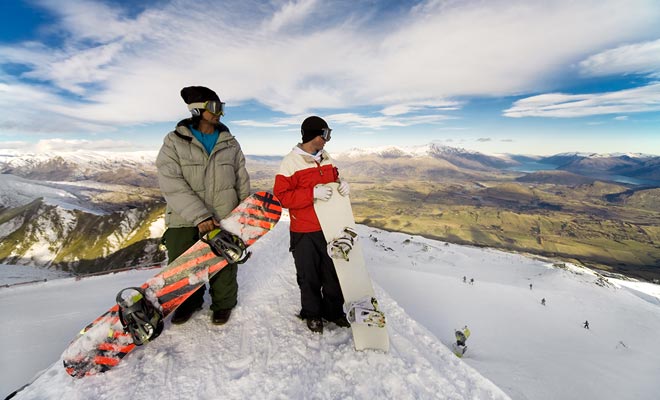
(493, 76)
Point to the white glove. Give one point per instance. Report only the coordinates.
(322, 192)
(344, 189)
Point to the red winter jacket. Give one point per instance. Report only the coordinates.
(294, 186)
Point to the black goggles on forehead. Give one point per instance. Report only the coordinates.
(324, 133)
(214, 107)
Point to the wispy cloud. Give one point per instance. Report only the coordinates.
(406, 108)
(383, 121)
(50, 145)
(643, 99)
(114, 68)
(14, 145)
(640, 58)
(351, 119)
(291, 13)
(39, 109)
(272, 123)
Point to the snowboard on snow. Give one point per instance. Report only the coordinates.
(344, 247)
(137, 318)
(458, 350)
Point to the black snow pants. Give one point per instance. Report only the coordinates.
(320, 293)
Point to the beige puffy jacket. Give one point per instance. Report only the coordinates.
(196, 185)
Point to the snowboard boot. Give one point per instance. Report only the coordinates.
(220, 317)
(341, 322)
(183, 314)
(315, 325)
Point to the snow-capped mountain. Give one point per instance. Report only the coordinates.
(457, 156)
(80, 227)
(518, 347)
(52, 236)
(131, 168)
(603, 155)
(635, 165)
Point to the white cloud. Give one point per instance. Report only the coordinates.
(273, 123)
(59, 144)
(406, 108)
(350, 119)
(643, 58)
(86, 20)
(378, 122)
(299, 56)
(290, 13)
(13, 145)
(643, 99)
(39, 109)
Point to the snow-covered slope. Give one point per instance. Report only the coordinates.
(85, 160)
(530, 351)
(264, 352)
(16, 191)
(132, 168)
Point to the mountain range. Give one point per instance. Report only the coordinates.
(641, 166)
(86, 212)
(138, 168)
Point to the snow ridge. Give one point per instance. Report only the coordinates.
(427, 150)
(266, 352)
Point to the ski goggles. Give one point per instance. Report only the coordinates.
(324, 133)
(214, 107)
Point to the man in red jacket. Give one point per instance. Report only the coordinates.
(306, 167)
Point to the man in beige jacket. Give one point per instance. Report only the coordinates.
(202, 176)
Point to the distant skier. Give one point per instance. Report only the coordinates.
(471, 281)
(464, 279)
(543, 301)
(530, 286)
(586, 324)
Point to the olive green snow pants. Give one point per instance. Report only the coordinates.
(223, 285)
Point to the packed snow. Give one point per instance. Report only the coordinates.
(518, 348)
(11, 275)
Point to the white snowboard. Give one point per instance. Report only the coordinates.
(334, 215)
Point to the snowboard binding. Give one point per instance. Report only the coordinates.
(365, 311)
(228, 246)
(341, 246)
(138, 316)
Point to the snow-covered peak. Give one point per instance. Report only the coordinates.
(427, 150)
(99, 159)
(604, 155)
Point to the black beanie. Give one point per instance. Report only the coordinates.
(198, 94)
(312, 127)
